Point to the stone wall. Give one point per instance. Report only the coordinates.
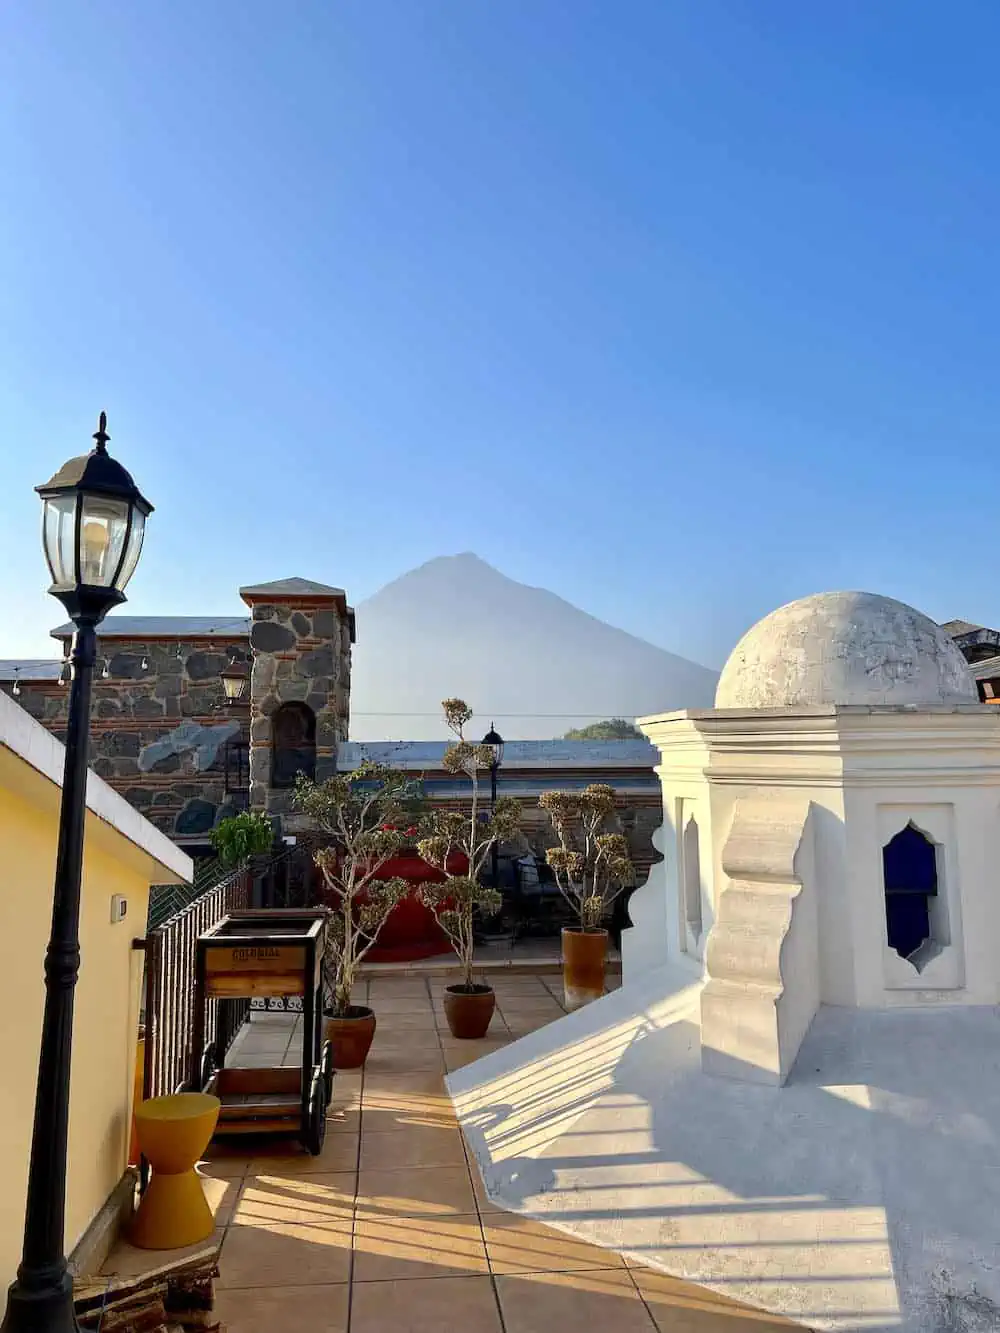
(301, 654)
(159, 726)
(639, 817)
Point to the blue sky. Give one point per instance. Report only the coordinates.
(680, 308)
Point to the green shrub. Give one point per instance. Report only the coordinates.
(244, 835)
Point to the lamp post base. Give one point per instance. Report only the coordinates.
(48, 1310)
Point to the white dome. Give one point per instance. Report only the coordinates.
(845, 648)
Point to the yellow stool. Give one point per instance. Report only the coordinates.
(173, 1133)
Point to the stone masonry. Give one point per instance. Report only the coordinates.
(159, 726)
(301, 635)
(162, 732)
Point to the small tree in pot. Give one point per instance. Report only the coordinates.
(591, 866)
(469, 836)
(240, 838)
(360, 812)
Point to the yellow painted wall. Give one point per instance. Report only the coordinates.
(107, 1002)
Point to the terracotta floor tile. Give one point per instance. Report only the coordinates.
(405, 1035)
(496, 1035)
(381, 1083)
(392, 988)
(416, 1212)
(381, 1115)
(519, 1245)
(398, 1249)
(543, 1302)
(412, 1146)
(340, 1153)
(318, 1309)
(282, 1199)
(682, 1307)
(343, 1119)
(260, 1043)
(419, 1193)
(401, 1006)
(459, 1054)
(389, 1061)
(257, 1059)
(276, 1254)
(444, 1305)
(520, 986)
(530, 1004)
(221, 1194)
(224, 1165)
(347, 1084)
(521, 1025)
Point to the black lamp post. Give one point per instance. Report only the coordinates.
(92, 528)
(495, 741)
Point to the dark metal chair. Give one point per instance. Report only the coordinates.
(536, 904)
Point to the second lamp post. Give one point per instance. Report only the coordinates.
(495, 741)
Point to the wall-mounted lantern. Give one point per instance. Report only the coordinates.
(235, 679)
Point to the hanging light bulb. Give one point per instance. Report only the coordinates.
(106, 671)
(144, 664)
(17, 683)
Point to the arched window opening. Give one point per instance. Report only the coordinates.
(293, 744)
(916, 923)
(691, 880)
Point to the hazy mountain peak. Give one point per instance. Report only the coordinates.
(457, 626)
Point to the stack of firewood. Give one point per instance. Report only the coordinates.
(173, 1298)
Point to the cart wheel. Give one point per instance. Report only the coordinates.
(315, 1130)
(326, 1064)
(208, 1065)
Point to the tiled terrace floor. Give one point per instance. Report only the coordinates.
(389, 1231)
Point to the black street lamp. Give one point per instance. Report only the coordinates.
(495, 741)
(92, 529)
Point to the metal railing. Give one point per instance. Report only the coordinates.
(169, 900)
(169, 1060)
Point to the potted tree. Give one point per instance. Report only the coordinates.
(360, 813)
(239, 839)
(591, 866)
(456, 839)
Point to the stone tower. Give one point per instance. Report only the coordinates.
(300, 685)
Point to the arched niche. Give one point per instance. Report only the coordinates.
(293, 744)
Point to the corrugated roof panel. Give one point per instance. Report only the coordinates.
(165, 627)
(30, 669)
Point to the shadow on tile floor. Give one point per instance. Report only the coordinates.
(390, 1229)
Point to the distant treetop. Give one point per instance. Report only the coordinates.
(613, 729)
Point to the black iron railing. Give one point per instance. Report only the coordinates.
(169, 1060)
(169, 900)
(290, 880)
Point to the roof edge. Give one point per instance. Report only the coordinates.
(39, 749)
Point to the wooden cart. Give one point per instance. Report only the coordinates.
(266, 953)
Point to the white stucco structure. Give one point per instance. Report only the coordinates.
(778, 1104)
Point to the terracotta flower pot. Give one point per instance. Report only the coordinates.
(469, 1011)
(351, 1036)
(584, 955)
